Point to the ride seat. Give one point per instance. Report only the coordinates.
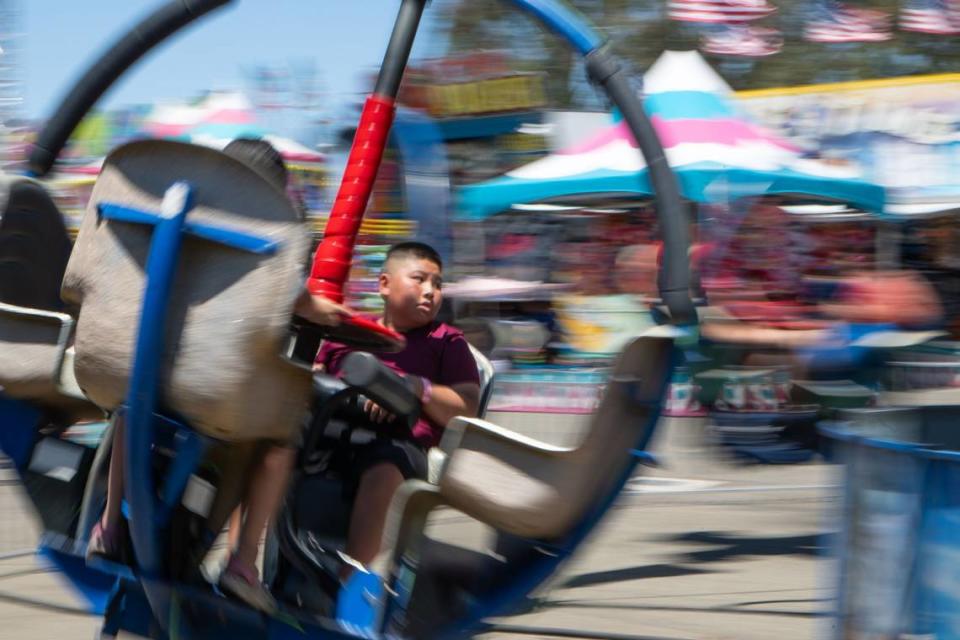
(35, 363)
(238, 274)
(34, 246)
(487, 373)
(530, 489)
(436, 456)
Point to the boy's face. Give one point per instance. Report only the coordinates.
(411, 291)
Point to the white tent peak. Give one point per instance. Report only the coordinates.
(683, 71)
(225, 99)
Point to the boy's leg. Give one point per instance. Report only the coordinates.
(376, 489)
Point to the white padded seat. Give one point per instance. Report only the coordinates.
(35, 365)
(32, 347)
(229, 309)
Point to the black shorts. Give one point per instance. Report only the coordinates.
(406, 455)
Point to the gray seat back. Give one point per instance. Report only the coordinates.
(32, 347)
(487, 374)
(436, 456)
(626, 414)
(34, 333)
(534, 490)
(229, 309)
(34, 245)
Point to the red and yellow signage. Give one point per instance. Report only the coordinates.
(513, 93)
(474, 84)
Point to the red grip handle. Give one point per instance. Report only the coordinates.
(331, 262)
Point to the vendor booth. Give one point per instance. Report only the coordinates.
(800, 223)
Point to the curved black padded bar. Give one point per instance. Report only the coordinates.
(398, 49)
(34, 248)
(389, 389)
(101, 75)
(674, 275)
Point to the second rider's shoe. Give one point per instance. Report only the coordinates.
(243, 583)
(105, 543)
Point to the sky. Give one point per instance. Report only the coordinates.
(346, 39)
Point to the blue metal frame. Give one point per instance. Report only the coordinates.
(93, 583)
(145, 377)
(221, 235)
(563, 21)
(857, 453)
(426, 172)
(189, 448)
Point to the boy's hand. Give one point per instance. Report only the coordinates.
(320, 310)
(377, 413)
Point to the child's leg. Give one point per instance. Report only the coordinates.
(233, 527)
(111, 513)
(105, 538)
(264, 497)
(377, 486)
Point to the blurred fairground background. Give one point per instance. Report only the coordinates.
(817, 144)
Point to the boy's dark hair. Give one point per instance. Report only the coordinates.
(418, 250)
(262, 157)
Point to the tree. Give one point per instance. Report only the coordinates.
(640, 31)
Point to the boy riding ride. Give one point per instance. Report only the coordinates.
(438, 365)
(438, 361)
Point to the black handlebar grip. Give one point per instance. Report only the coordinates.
(384, 386)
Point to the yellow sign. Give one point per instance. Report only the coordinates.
(512, 93)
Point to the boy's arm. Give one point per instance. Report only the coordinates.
(320, 310)
(442, 403)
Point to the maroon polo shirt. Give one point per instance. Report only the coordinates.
(435, 351)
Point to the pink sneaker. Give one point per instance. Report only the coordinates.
(243, 583)
(104, 543)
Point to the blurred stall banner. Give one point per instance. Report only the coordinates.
(487, 112)
(481, 82)
(902, 133)
(600, 325)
